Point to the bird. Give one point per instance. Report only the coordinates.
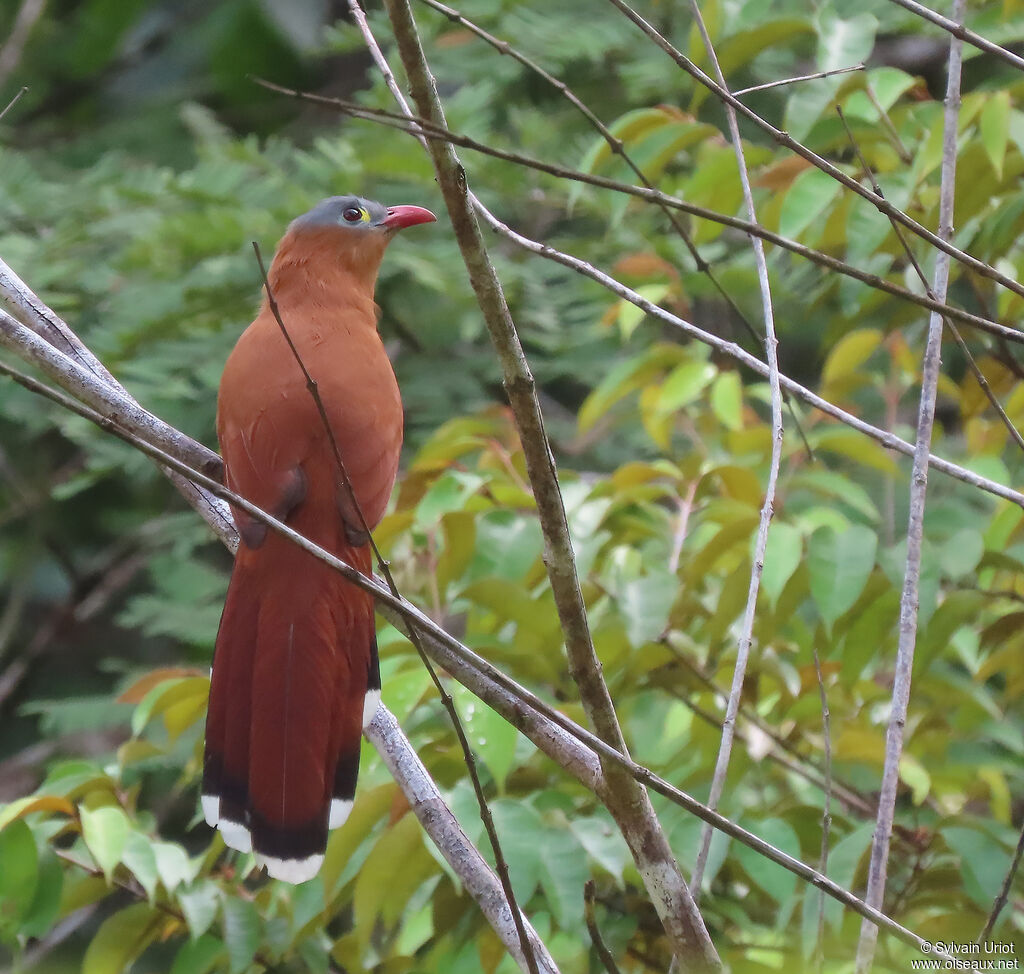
(295, 673)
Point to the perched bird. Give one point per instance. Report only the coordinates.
(295, 671)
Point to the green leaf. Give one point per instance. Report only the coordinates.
(777, 882)
(727, 400)
(850, 353)
(199, 956)
(19, 863)
(840, 564)
(563, 872)
(121, 939)
(782, 557)
(960, 555)
(519, 825)
(844, 43)
(45, 906)
(914, 775)
(105, 830)
(200, 903)
(173, 865)
(139, 857)
(810, 195)
(684, 384)
(603, 842)
(983, 862)
(995, 128)
(241, 932)
(491, 736)
(645, 604)
(448, 493)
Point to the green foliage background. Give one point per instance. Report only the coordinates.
(133, 175)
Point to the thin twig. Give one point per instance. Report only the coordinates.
(417, 126)
(768, 506)
(915, 523)
(601, 948)
(628, 803)
(958, 30)
(1004, 891)
(894, 136)
(826, 815)
(919, 270)
(14, 100)
(803, 77)
(448, 650)
(819, 162)
(525, 943)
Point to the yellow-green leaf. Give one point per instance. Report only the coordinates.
(121, 939)
(105, 830)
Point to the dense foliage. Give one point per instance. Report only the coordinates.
(133, 176)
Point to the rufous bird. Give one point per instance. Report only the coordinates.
(295, 671)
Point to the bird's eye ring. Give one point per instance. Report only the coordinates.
(352, 214)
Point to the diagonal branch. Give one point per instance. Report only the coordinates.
(915, 527)
(768, 506)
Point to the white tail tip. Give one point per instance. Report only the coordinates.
(370, 704)
(211, 809)
(341, 808)
(292, 870)
(236, 835)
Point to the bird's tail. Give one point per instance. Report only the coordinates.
(295, 677)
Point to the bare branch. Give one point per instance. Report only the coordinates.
(10, 54)
(803, 77)
(1004, 891)
(768, 506)
(915, 527)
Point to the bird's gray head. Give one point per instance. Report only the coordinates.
(359, 214)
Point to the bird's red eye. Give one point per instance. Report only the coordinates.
(353, 214)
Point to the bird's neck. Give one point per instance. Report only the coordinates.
(327, 267)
